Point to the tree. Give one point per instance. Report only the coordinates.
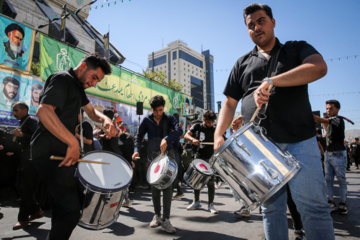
(160, 77)
(35, 68)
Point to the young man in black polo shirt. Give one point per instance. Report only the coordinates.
(60, 101)
(203, 132)
(163, 130)
(289, 120)
(335, 154)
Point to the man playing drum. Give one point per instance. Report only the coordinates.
(289, 119)
(203, 132)
(162, 130)
(60, 103)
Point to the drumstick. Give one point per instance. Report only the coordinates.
(80, 160)
(206, 143)
(101, 127)
(258, 109)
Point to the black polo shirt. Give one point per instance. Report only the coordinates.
(28, 125)
(64, 91)
(335, 134)
(289, 116)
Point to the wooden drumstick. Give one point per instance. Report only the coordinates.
(101, 127)
(258, 109)
(206, 143)
(80, 160)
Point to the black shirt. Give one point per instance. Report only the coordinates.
(156, 133)
(64, 91)
(355, 149)
(335, 134)
(289, 116)
(28, 125)
(203, 134)
(88, 134)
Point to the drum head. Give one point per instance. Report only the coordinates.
(203, 167)
(113, 176)
(156, 169)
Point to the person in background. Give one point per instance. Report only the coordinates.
(335, 154)
(87, 133)
(355, 151)
(163, 130)
(27, 176)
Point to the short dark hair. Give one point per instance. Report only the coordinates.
(109, 113)
(210, 115)
(95, 60)
(36, 86)
(13, 80)
(256, 7)
(21, 105)
(157, 101)
(335, 102)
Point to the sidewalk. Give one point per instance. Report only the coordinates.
(133, 223)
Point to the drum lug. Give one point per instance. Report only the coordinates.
(243, 147)
(251, 195)
(272, 173)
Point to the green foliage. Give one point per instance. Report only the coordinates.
(160, 77)
(35, 69)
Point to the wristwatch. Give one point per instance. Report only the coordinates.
(269, 81)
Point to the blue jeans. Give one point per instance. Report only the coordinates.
(335, 164)
(308, 190)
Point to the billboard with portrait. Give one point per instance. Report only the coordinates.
(16, 87)
(17, 44)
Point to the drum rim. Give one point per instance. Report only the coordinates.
(97, 188)
(192, 162)
(230, 140)
(153, 162)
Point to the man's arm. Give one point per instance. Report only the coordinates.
(189, 136)
(51, 122)
(225, 117)
(321, 120)
(97, 116)
(312, 68)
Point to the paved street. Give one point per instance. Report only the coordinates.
(133, 223)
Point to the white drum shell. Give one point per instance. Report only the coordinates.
(103, 188)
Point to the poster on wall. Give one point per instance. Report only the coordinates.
(15, 87)
(17, 45)
(187, 106)
(127, 113)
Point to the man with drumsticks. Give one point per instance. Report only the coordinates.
(163, 130)
(60, 101)
(198, 133)
(289, 120)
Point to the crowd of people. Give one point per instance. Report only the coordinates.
(288, 68)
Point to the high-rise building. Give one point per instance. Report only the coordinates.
(188, 67)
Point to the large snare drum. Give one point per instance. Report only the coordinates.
(198, 174)
(103, 188)
(254, 167)
(162, 173)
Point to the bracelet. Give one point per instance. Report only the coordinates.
(269, 81)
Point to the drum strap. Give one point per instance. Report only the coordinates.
(165, 126)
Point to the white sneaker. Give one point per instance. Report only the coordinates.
(194, 206)
(212, 209)
(127, 203)
(167, 227)
(156, 221)
(243, 211)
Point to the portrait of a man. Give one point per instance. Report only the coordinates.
(35, 94)
(14, 48)
(10, 90)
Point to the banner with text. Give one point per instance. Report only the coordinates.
(121, 86)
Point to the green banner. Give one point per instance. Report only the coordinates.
(121, 86)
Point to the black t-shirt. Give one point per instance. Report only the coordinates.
(203, 134)
(28, 126)
(335, 134)
(355, 149)
(289, 116)
(64, 91)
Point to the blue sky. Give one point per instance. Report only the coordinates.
(139, 27)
